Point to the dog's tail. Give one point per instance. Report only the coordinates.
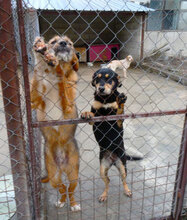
(132, 158)
(133, 154)
(45, 179)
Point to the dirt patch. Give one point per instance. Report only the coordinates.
(170, 67)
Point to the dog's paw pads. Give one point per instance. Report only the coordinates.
(38, 41)
(75, 208)
(60, 204)
(50, 63)
(39, 45)
(50, 59)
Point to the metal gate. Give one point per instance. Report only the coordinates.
(155, 113)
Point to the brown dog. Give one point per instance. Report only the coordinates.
(53, 95)
(121, 64)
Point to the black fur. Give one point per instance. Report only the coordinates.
(107, 133)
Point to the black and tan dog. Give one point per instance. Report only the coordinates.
(109, 134)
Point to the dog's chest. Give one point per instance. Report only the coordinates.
(53, 107)
(105, 111)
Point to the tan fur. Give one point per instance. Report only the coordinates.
(98, 105)
(106, 180)
(121, 64)
(53, 93)
(120, 111)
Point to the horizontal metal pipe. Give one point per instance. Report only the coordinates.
(108, 118)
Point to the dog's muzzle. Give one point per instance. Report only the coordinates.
(63, 44)
(63, 52)
(101, 89)
(62, 48)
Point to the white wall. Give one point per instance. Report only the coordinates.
(177, 41)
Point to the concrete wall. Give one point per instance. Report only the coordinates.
(176, 41)
(93, 28)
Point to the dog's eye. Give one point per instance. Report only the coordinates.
(53, 42)
(70, 44)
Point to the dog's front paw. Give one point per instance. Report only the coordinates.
(50, 58)
(122, 98)
(39, 45)
(87, 115)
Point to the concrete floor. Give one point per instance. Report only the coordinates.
(157, 139)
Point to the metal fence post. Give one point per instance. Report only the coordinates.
(181, 175)
(32, 149)
(12, 107)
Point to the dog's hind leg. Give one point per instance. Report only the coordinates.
(104, 167)
(73, 179)
(125, 73)
(123, 174)
(73, 175)
(54, 175)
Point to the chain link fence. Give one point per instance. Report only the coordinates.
(154, 33)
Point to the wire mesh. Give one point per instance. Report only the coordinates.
(154, 34)
(152, 196)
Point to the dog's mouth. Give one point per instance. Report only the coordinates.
(63, 52)
(103, 91)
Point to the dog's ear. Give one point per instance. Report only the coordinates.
(75, 62)
(93, 81)
(94, 78)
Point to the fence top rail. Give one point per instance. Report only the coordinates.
(108, 118)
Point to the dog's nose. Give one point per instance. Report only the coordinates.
(63, 43)
(101, 89)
